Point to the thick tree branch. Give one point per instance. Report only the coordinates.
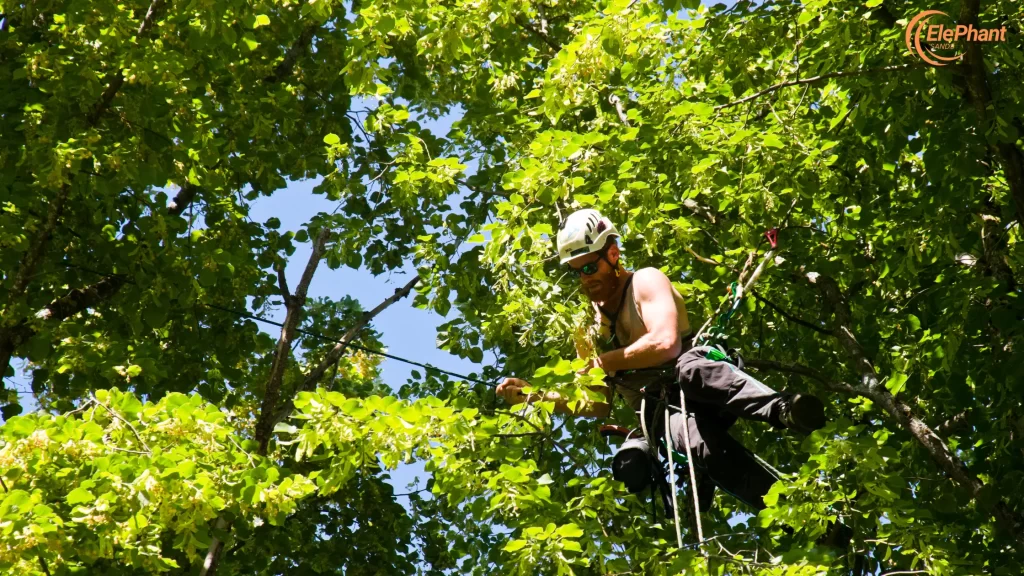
(814, 79)
(183, 199)
(117, 79)
(332, 357)
(287, 65)
(980, 96)
(841, 308)
(26, 271)
(904, 415)
(294, 305)
(66, 306)
(214, 552)
(802, 370)
(282, 282)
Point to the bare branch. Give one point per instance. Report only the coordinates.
(125, 422)
(813, 79)
(311, 379)
(183, 199)
(789, 316)
(265, 423)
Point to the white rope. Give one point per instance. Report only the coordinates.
(693, 474)
(672, 476)
(741, 290)
(643, 422)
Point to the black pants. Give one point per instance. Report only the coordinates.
(717, 393)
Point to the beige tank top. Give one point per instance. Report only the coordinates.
(629, 327)
(629, 322)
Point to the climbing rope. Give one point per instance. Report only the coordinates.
(738, 290)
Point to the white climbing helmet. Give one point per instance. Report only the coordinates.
(583, 232)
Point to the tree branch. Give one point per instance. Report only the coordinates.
(802, 370)
(813, 79)
(117, 79)
(265, 423)
(214, 552)
(789, 316)
(67, 306)
(900, 411)
(287, 65)
(980, 96)
(542, 35)
(311, 379)
(183, 199)
(26, 271)
(282, 282)
(841, 308)
(614, 100)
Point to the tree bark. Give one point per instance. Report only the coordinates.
(294, 304)
(67, 306)
(980, 97)
(26, 271)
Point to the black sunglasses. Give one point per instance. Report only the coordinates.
(588, 268)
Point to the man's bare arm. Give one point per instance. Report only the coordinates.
(661, 343)
(511, 390)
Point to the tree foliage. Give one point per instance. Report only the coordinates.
(175, 436)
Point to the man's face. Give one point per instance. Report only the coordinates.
(599, 285)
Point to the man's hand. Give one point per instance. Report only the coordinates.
(511, 389)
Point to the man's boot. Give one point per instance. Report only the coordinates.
(801, 412)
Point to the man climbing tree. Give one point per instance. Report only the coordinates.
(644, 330)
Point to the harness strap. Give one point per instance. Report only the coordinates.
(613, 317)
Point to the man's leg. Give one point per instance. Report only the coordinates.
(723, 385)
(722, 459)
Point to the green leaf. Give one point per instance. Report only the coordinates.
(806, 16)
(285, 428)
(79, 496)
(261, 20)
(896, 382)
(332, 139)
(250, 41)
(10, 410)
(569, 531)
(914, 322)
(515, 545)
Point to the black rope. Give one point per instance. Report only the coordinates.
(351, 345)
(316, 335)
